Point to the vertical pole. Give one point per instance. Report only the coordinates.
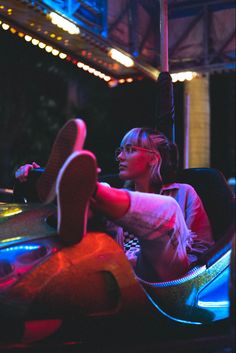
(164, 35)
(165, 101)
(164, 57)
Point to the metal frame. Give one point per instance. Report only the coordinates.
(92, 15)
(200, 9)
(92, 18)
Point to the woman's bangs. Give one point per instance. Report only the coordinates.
(136, 137)
(131, 138)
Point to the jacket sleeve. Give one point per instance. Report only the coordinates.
(197, 221)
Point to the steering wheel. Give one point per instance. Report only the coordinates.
(25, 192)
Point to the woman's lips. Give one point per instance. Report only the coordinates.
(122, 167)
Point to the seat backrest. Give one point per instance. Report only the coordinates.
(215, 194)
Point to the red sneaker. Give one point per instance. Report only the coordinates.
(69, 139)
(75, 185)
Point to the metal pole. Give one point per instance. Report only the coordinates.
(165, 101)
(164, 35)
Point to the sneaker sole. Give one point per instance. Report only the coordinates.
(69, 139)
(74, 190)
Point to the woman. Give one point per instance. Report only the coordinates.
(167, 218)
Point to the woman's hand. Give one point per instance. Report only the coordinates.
(22, 173)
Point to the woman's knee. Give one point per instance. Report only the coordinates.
(173, 206)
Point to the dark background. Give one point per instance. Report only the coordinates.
(38, 93)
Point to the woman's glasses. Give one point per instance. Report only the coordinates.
(129, 149)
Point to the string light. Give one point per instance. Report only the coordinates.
(107, 78)
(55, 52)
(49, 49)
(85, 67)
(112, 83)
(5, 26)
(62, 56)
(28, 38)
(35, 41)
(42, 45)
(92, 71)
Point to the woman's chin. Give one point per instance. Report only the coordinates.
(123, 175)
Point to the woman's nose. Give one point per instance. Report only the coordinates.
(121, 156)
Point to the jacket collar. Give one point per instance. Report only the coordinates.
(170, 186)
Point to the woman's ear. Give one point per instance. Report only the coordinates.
(154, 159)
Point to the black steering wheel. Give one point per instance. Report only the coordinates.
(25, 192)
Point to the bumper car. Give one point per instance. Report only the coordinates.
(51, 292)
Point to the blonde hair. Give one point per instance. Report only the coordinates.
(164, 170)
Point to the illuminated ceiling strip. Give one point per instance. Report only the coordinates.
(61, 22)
(184, 76)
(121, 58)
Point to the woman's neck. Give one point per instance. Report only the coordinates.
(144, 186)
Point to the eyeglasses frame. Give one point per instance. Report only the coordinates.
(119, 150)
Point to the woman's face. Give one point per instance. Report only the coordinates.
(134, 162)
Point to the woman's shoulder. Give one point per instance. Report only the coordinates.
(179, 186)
(181, 189)
(188, 189)
(185, 186)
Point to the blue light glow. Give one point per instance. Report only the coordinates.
(170, 316)
(21, 247)
(214, 304)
